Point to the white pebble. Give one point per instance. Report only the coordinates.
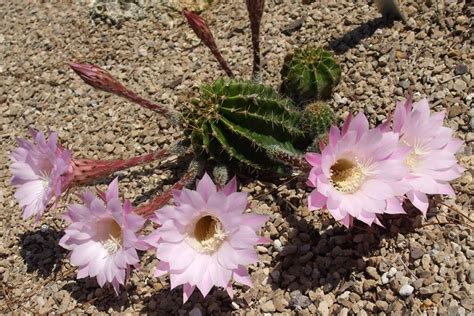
(385, 278)
(277, 245)
(392, 272)
(406, 290)
(235, 305)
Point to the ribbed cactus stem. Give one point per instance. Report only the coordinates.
(102, 80)
(287, 157)
(159, 201)
(202, 31)
(255, 8)
(87, 171)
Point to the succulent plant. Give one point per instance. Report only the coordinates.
(245, 124)
(309, 74)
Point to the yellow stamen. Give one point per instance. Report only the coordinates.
(347, 176)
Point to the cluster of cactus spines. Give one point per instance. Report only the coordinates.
(201, 29)
(237, 123)
(309, 74)
(317, 117)
(255, 9)
(100, 79)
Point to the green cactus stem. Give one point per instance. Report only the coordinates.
(243, 124)
(309, 74)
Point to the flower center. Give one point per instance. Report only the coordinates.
(110, 235)
(418, 151)
(209, 234)
(346, 176)
(45, 178)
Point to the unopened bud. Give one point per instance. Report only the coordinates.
(201, 29)
(98, 78)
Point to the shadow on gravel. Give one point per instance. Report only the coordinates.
(312, 259)
(170, 302)
(352, 38)
(41, 252)
(87, 291)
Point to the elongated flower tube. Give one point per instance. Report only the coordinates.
(206, 239)
(358, 173)
(43, 170)
(102, 237)
(39, 172)
(100, 79)
(431, 160)
(202, 31)
(255, 9)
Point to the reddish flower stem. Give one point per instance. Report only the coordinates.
(102, 80)
(87, 171)
(255, 9)
(201, 29)
(159, 201)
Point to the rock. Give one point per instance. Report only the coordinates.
(372, 272)
(277, 245)
(382, 305)
(109, 148)
(416, 252)
(323, 308)
(460, 69)
(289, 250)
(196, 311)
(268, 307)
(406, 290)
(391, 273)
(193, 5)
(455, 111)
(299, 300)
(293, 26)
(470, 276)
(405, 84)
(460, 85)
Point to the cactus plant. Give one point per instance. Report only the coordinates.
(309, 74)
(243, 123)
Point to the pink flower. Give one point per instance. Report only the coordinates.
(357, 175)
(39, 170)
(205, 239)
(102, 237)
(431, 162)
(43, 170)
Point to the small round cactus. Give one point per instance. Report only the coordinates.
(243, 124)
(317, 118)
(309, 74)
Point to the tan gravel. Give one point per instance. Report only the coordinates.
(419, 266)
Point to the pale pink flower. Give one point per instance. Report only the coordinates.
(102, 237)
(43, 170)
(39, 170)
(357, 175)
(431, 160)
(206, 239)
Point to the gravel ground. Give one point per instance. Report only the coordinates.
(421, 266)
